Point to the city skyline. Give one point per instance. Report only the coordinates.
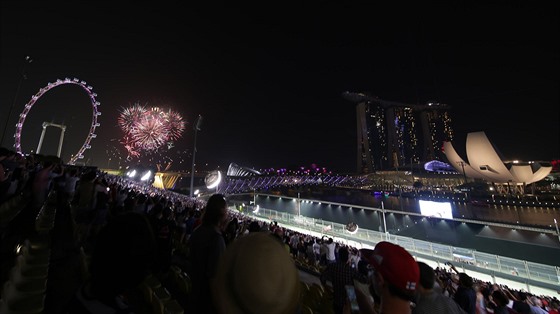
(270, 85)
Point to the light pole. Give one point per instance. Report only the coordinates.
(22, 77)
(384, 221)
(254, 198)
(196, 128)
(298, 205)
(557, 232)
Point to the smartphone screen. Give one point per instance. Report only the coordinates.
(351, 294)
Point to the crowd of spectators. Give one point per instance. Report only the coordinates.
(98, 201)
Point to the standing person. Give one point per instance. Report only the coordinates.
(317, 251)
(331, 251)
(181, 224)
(323, 249)
(465, 295)
(536, 306)
(101, 208)
(395, 277)
(121, 259)
(4, 175)
(207, 246)
(429, 301)
(189, 224)
(164, 228)
(519, 302)
(301, 248)
(230, 232)
(84, 210)
(71, 179)
(500, 301)
(294, 240)
(341, 274)
(118, 201)
(41, 184)
(554, 307)
(480, 298)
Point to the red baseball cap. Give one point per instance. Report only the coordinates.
(396, 265)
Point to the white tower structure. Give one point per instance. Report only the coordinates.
(62, 131)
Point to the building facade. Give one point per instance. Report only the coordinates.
(393, 134)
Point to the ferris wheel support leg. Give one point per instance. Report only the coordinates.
(60, 142)
(41, 138)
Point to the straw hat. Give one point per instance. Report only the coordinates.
(256, 275)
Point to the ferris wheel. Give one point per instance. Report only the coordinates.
(40, 93)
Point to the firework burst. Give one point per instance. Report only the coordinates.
(149, 129)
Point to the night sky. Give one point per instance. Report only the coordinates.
(268, 80)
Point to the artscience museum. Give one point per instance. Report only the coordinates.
(483, 162)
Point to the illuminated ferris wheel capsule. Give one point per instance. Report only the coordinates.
(40, 93)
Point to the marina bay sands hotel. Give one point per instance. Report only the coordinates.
(393, 134)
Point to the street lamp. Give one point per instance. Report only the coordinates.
(384, 221)
(298, 205)
(22, 77)
(254, 198)
(557, 232)
(196, 128)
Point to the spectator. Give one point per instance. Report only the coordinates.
(341, 274)
(255, 226)
(429, 301)
(5, 174)
(279, 233)
(189, 224)
(536, 306)
(141, 202)
(554, 307)
(230, 232)
(71, 179)
(100, 208)
(331, 248)
(207, 245)
(365, 288)
(244, 282)
(317, 251)
(294, 240)
(323, 252)
(164, 229)
(396, 275)
(84, 211)
(465, 295)
(499, 301)
(118, 201)
(519, 303)
(130, 201)
(121, 259)
(181, 225)
(42, 180)
(480, 288)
